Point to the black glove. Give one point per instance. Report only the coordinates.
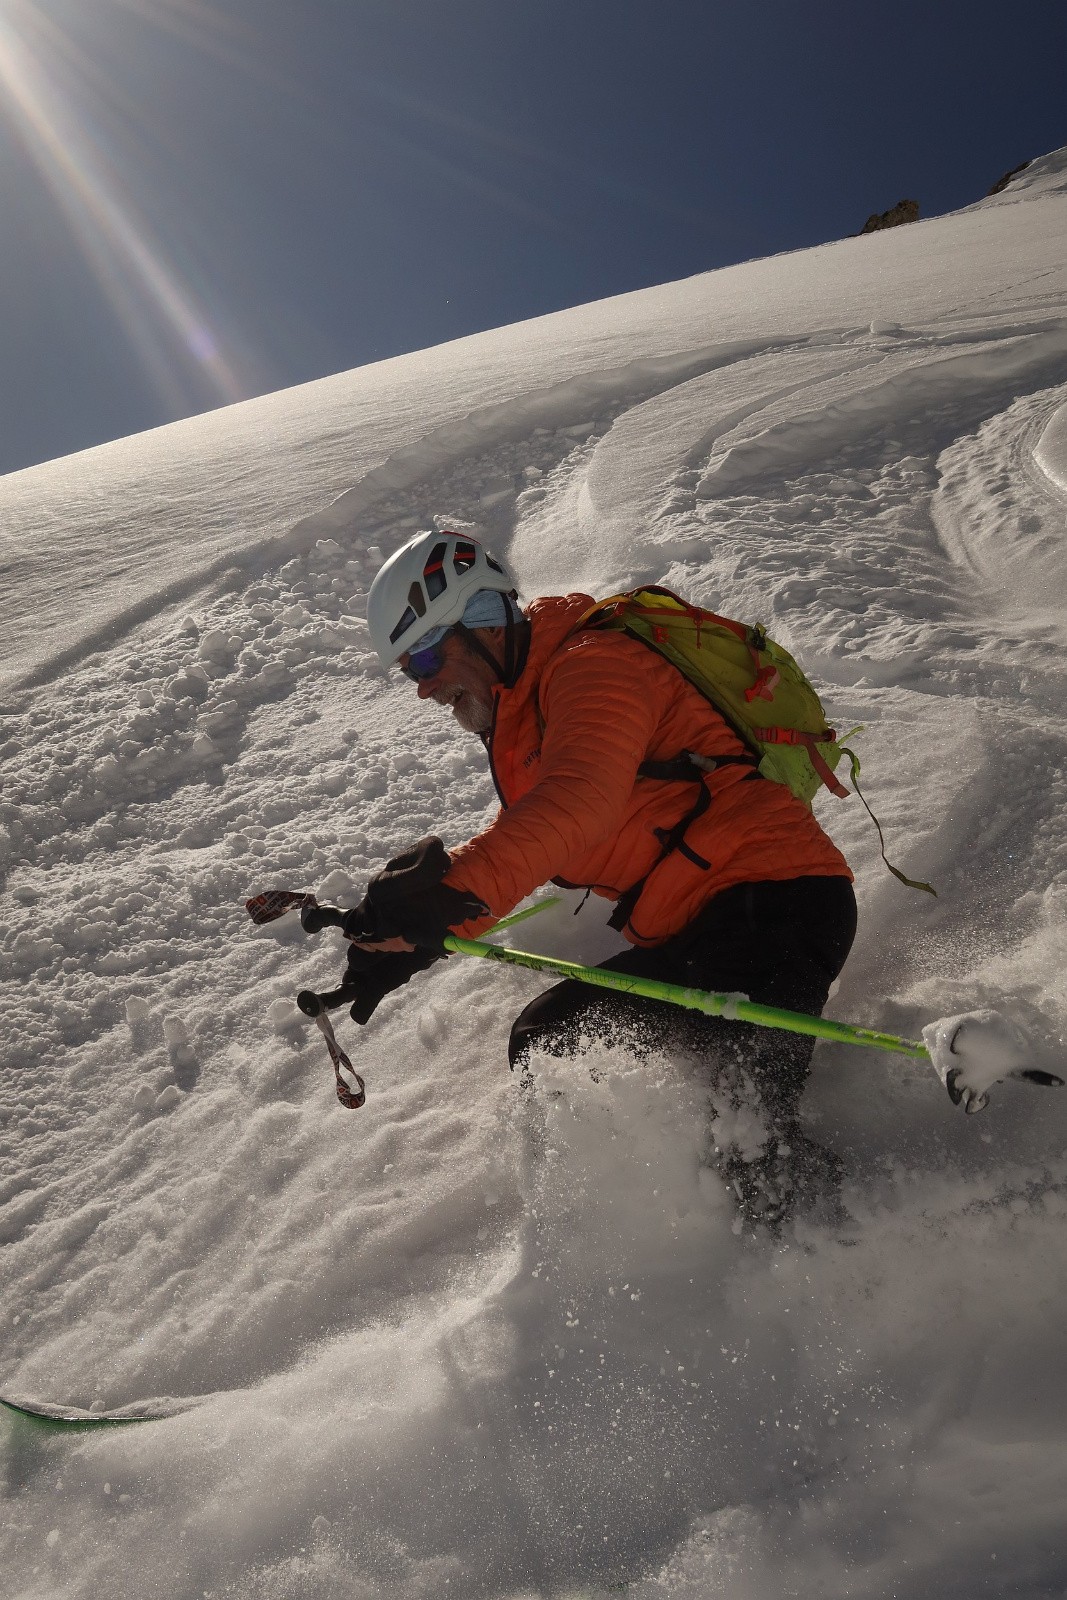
(372, 974)
(408, 900)
(314, 918)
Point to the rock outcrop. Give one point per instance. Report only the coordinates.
(1002, 183)
(903, 211)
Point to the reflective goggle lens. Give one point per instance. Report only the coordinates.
(423, 664)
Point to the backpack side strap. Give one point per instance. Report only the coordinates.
(811, 743)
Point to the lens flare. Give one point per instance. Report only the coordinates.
(49, 91)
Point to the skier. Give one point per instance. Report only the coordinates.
(589, 736)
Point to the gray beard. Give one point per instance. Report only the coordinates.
(472, 714)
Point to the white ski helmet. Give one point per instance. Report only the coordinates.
(426, 584)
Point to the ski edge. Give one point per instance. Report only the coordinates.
(66, 1419)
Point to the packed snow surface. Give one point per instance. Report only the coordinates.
(471, 1341)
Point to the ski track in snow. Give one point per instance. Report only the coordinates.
(483, 1341)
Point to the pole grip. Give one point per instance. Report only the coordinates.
(312, 1004)
(314, 918)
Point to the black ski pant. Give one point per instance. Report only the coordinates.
(781, 944)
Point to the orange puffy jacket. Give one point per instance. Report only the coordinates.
(565, 744)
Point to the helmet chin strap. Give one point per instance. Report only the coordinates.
(516, 645)
(473, 643)
(516, 637)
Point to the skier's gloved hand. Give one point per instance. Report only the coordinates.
(372, 974)
(408, 900)
(972, 1052)
(314, 918)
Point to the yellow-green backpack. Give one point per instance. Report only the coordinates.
(755, 684)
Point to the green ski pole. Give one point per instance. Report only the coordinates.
(520, 916)
(732, 1006)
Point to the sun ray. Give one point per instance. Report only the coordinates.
(44, 82)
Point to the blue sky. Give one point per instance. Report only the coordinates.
(207, 199)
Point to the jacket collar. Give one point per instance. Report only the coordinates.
(551, 619)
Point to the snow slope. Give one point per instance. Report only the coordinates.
(463, 1341)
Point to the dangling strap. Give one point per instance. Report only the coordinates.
(351, 1090)
(581, 904)
(912, 883)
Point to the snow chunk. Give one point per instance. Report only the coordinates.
(329, 638)
(733, 1000)
(222, 718)
(136, 1010)
(337, 885)
(283, 1015)
(429, 1026)
(190, 680)
(204, 748)
(175, 1031)
(214, 644)
(274, 675)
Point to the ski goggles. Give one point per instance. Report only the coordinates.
(425, 663)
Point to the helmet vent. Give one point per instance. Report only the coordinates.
(433, 573)
(417, 600)
(464, 556)
(408, 620)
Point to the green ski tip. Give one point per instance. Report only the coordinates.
(65, 1420)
